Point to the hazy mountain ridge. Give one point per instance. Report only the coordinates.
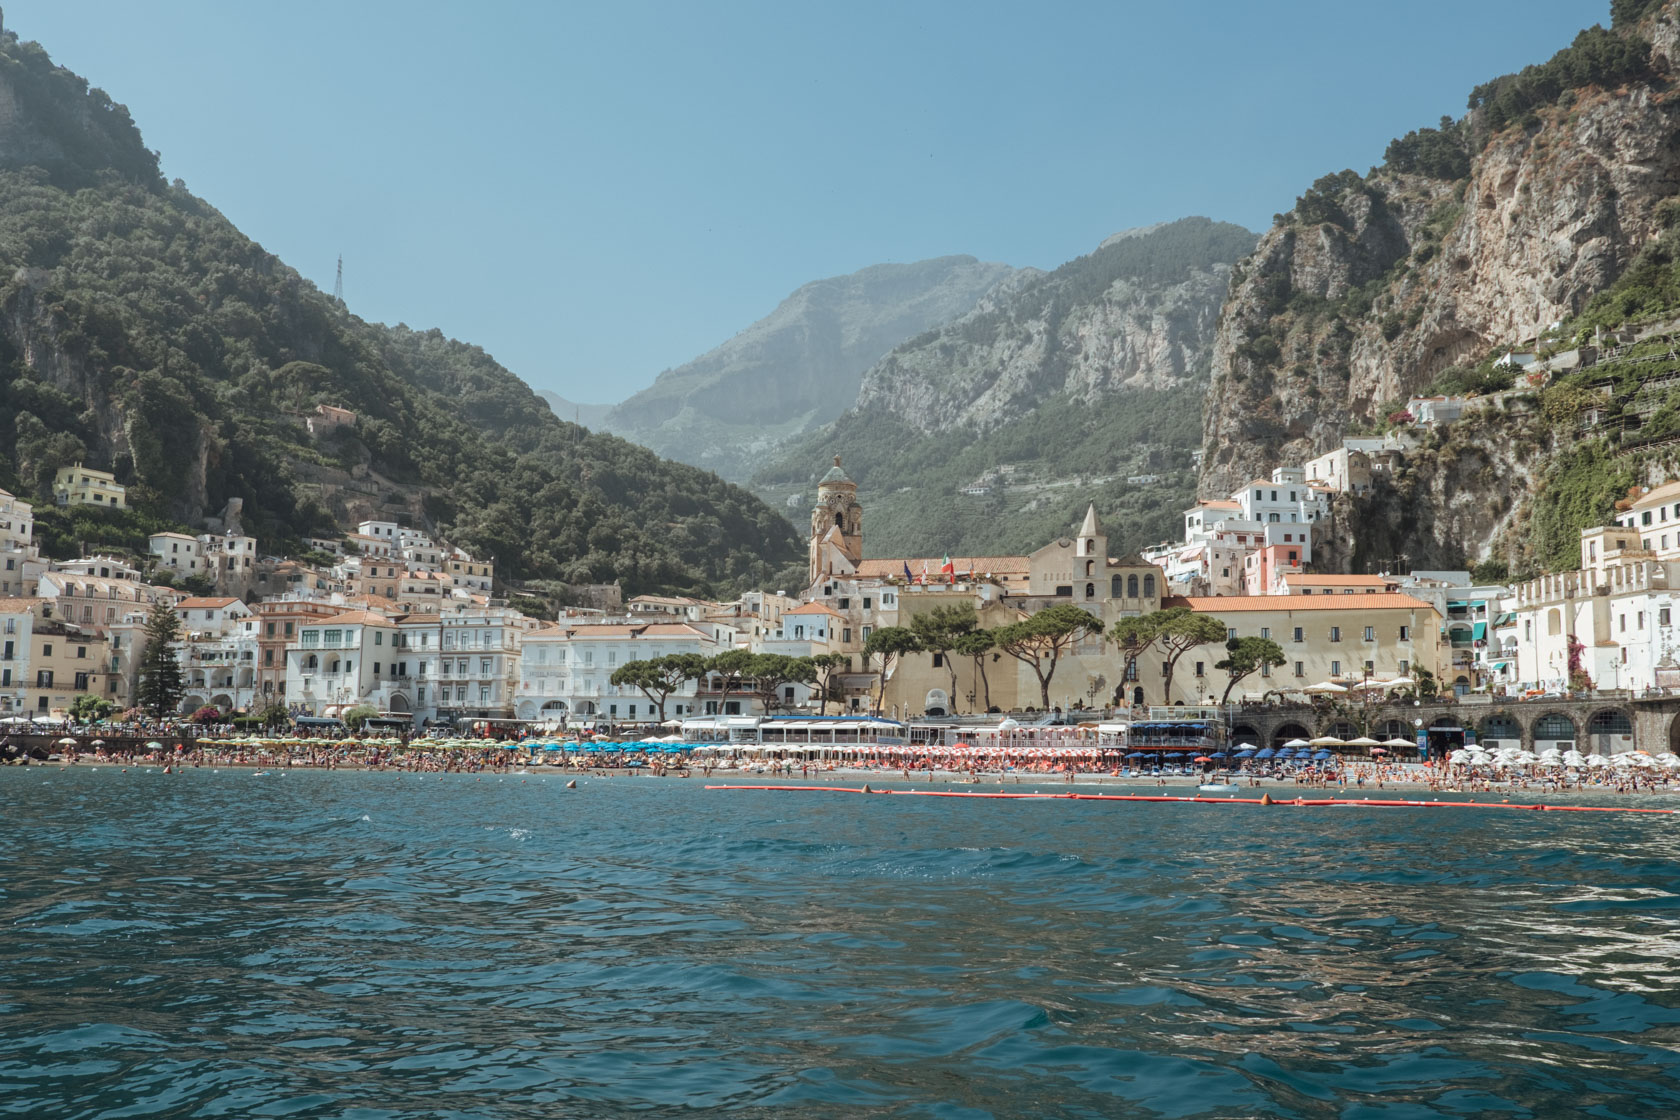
(799, 366)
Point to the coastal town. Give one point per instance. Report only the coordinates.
(400, 628)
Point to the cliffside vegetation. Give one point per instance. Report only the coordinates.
(142, 333)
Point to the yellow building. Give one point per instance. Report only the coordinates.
(1341, 639)
(84, 486)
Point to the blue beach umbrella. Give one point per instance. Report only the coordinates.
(1266, 752)
(1243, 755)
(1322, 756)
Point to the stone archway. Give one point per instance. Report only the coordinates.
(1553, 729)
(399, 704)
(1288, 730)
(1246, 733)
(222, 702)
(1609, 731)
(1500, 729)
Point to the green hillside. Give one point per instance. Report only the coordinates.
(141, 332)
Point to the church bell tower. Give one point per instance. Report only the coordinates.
(836, 526)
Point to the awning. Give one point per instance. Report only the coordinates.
(1479, 631)
(1499, 666)
(1459, 603)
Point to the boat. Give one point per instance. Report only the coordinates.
(1218, 787)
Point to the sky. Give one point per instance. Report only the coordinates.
(595, 193)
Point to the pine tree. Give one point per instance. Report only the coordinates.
(161, 684)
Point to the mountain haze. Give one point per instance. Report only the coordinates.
(142, 333)
(799, 366)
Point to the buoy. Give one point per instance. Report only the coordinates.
(866, 788)
(572, 784)
(1265, 799)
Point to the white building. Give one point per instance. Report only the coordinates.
(566, 670)
(340, 661)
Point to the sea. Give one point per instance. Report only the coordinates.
(295, 943)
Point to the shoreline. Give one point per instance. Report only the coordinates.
(1038, 782)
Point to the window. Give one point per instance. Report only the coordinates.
(1148, 587)
(845, 604)
(939, 661)
(1265, 631)
(81, 682)
(1265, 669)
(6, 652)
(288, 629)
(1300, 634)
(1370, 667)
(81, 652)
(1090, 591)
(1405, 633)
(866, 602)
(845, 633)
(1662, 616)
(1201, 671)
(1404, 666)
(1370, 633)
(43, 679)
(1065, 590)
(376, 668)
(46, 650)
(378, 637)
(484, 666)
(268, 657)
(1131, 587)
(483, 694)
(1335, 633)
(1230, 633)
(1335, 668)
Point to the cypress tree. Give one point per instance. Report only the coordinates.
(161, 683)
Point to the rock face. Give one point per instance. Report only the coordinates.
(1333, 321)
(1027, 341)
(1057, 389)
(800, 365)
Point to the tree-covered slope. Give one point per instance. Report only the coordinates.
(141, 332)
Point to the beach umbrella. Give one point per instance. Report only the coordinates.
(1397, 742)
(1325, 741)
(1377, 750)
(1323, 756)
(1267, 752)
(1324, 687)
(154, 745)
(1399, 682)
(1363, 741)
(67, 741)
(1297, 743)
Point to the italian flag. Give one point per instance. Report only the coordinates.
(948, 568)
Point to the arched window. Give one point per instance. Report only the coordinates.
(1131, 587)
(1090, 591)
(312, 662)
(1149, 587)
(1090, 547)
(1090, 568)
(1554, 622)
(1553, 726)
(1115, 587)
(840, 521)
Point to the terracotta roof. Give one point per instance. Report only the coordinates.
(17, 606)
(205, 604)
(814, 608)
(358, 618)
(1224, 604)
(1213, 503)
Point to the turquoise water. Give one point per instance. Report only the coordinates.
(373, 946)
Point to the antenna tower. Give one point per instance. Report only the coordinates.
(338, 283)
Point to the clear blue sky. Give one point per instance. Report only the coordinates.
(595, 193)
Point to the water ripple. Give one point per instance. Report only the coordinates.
(347, 945)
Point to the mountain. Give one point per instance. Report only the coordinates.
(142, 333)
(1474, 237)
(588, 415)
(990, 433)
(799, 366)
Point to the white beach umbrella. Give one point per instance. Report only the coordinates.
(1363, 741)
(1399, 682)
(1295, 743)
(1397, 742)
(1326, 687)
(1326, 741)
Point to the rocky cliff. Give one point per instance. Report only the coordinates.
(991, 431)
(1122, 318)
(799, 366)
(1376, 287)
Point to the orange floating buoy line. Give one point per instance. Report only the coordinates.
(1263, 799)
